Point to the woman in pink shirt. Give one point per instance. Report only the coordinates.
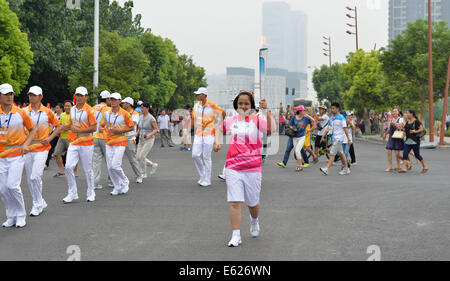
(243, 170)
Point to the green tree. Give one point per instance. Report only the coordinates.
(15, 54)
(122, 64)
(57, 36)
(405, 62)
(328, 83)
(189, 78)
(368, 88)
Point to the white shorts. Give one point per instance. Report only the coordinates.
(243, 186)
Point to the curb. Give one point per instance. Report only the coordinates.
(382, 142)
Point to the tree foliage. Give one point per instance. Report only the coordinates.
(328, 83)
(405, 63)
(16, 57)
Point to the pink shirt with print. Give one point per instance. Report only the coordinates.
(244, 151)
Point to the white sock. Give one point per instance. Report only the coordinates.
(255, 221)
(237, 232)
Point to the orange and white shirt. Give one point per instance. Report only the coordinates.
(82, 118)
(204, 117)
(12, 131)
(120, 120)
(42, 119)
(100, 109)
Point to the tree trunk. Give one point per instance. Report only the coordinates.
(367, 122)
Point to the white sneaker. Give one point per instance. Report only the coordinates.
(354, 164)
(69, 198)
(20, 222)
(9, 222)
(115, 193)
(44, 205)
(110, 184)
(154, 168)
(254, 229)
(124, 190)
(139, 179)
(91, 198)
(324, 171)
(235, 241)
(144, 176)
(204, 184)
(35, 211)
(98, 187)
(222, 177)
(344, 172)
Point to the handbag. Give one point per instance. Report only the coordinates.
(290, 132)
(398, 134)
(421, 134)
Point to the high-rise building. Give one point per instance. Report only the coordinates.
(403, 11)
(240, 78)
(285, 35)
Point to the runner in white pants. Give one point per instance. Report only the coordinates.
(119, 123)
(82, 118)
(100, 139)
(35, 160)
(204, 114)
(14, 144)
(131, 148)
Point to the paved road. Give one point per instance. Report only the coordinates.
(305, 216)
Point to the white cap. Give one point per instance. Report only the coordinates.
(105, 94)
(82, 91)
(115, 96)
(201, 90)
(140, 102)
(128, 100)
(35, 90)
(6, 89)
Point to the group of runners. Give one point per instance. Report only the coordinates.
(87, 135)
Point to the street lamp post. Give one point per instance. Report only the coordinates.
(430, 71)
(355, 17)
(328, 51)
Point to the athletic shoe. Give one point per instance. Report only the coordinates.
(281, 164)
(344, 172)
(110, 185)
(154, 168)
(306, 165)
(188, 149)
(124, 190)
(44, 205)
(254, 229)
(20, 222)
(235, 241)
(9, 222)
(35, 211)
(222, 177)
(204, 184)
(98, 187)
(144, 176)
(324, 171)
(115, 193)
(69, 198)
(354, 164)
(91, 198)
(139, 179)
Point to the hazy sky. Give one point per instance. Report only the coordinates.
(221, 33)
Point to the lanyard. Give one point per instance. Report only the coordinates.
(39, 117)
(79, 119)
(9, 120)
(115, 119)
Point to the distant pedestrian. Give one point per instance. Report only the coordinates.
(164, 126)
(412, 127)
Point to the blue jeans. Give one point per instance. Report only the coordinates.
(346, 148)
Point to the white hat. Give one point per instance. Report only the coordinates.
(35, 90)
(115, 96)
(82, 91)
(105, 94)
(201, 90)
(128, 100)
(6, 89)
(140, 102)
